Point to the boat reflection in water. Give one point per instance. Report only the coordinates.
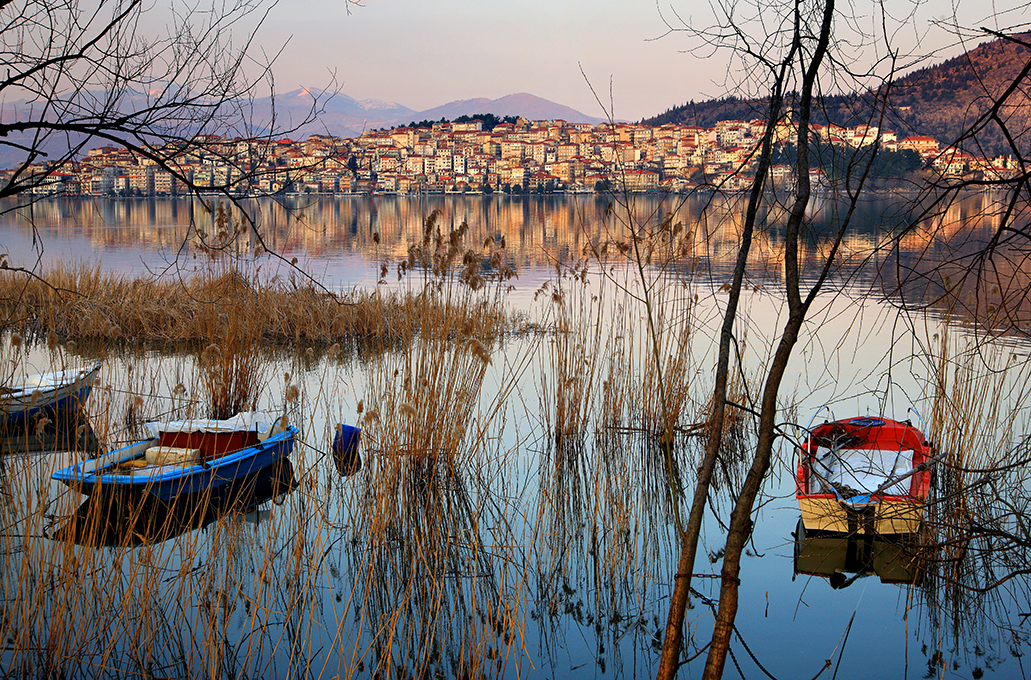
(132, 518)
(844, 558)
(70, 431)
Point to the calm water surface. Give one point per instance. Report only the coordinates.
(540, 560)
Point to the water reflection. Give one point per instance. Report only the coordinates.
(844, 558)
(128, 519)
(343, 240)
(432, 589)
(476, 539)
(601, 545)
(67, 431)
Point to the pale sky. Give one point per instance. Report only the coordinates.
(424, 53)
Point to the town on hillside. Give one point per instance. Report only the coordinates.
(465, 157)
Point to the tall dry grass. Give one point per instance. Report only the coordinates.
(227, 598)
(86, 304)
(619, 402)
(432, 577)
(976, 536)
(426, 561)
(233, 360)
(603, 372)
(127, 586)
(569, 379)
(421, 399)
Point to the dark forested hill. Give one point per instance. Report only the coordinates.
(940, 101)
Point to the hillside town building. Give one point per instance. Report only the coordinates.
(526, 156)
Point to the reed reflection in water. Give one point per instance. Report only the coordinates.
(514, 513)
(438, 554)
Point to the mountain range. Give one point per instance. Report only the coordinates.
(940, 101)
(338, 115)
(344, 116)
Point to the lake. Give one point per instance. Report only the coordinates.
(537, 539)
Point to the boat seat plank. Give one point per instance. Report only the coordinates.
(172, 455)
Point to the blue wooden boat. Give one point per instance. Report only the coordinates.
(126, 519)
(46, 394)
(186, 457)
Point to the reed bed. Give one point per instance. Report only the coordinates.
(421, 399)
(88, 304)
(190, 588)
(225, 300)
(436, 589)
(230, 364)
(391, 568)
(976, 539)
(670, 360)
(602, 371)
(575, 351)
(437, 554)
(618, 393)
(222, 296)
(623, 399)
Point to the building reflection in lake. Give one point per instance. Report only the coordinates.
(334, 235)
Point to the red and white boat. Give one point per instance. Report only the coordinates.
(864, 475)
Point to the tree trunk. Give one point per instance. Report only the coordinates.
(741, 518)
(673, 640)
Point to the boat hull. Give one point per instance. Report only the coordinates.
(166, 482)
(68, 391)
(886, 516)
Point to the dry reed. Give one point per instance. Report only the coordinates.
(617, 394)
(232, 360)
(163, 603)
(575, 354)
(428, 579)
(86, 303)
(416, 565)
(611, 449)
(976, 537)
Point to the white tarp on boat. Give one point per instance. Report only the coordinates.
(253, 421)
(864, 470)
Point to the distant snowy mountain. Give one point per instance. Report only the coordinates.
(338, 115)
(344, 116)
(380, 105)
